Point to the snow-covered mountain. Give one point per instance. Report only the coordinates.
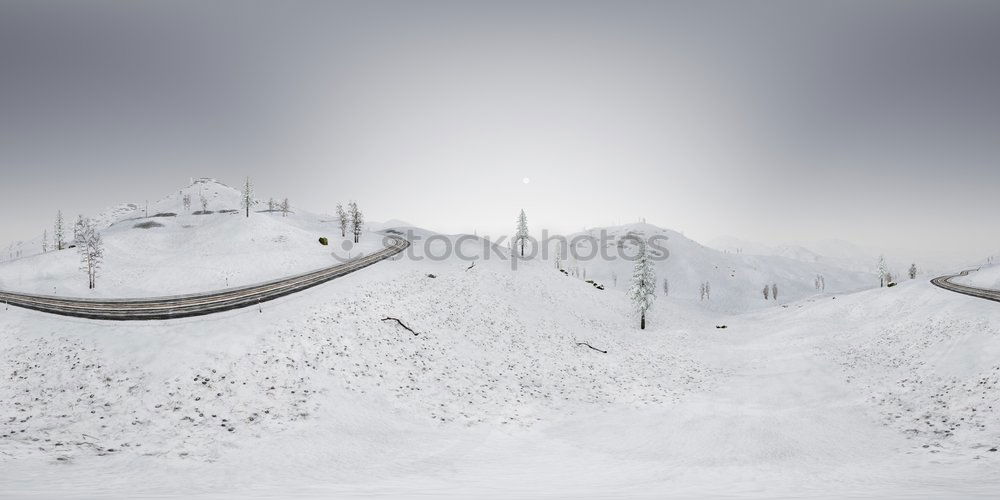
(736, 281)
(835, 253)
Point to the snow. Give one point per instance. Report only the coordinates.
(736, 280)
(188, 253)
(884, 392)
(985, 277)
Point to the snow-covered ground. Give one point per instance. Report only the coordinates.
(887, 392)
(186, 251)
(736, 281)
(985, 277)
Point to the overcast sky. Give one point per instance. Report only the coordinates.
(876, 122)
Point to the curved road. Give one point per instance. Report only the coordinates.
(181, 306)
(983, 293)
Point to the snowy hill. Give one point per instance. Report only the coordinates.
(497, 395)
(736, 280)
(178, 250)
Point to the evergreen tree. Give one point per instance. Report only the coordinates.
(883, 271)
(643, 289)
(285, 207)
(45, 241)
(522, 230)
(774, 291)
(767, 292)
(59, 236)
(913, 271)
(246, 199)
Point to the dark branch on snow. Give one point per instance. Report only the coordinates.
(592, 347)
(401, 324)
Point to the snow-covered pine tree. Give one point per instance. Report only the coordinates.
(342, 219)
(642, 292)
(77, 230)
(774, 291)
(45, 241)
(883, 271)
(357, 220)
(285, 207)
(913, 271)
(522, 230)
(708, 291)
(270, 204)
(246, 198)
(58, 235)
(204, 203)
(666, 287)
(91, 249)
(767, 292)
(186, 201)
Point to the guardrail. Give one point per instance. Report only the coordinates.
(181, 306)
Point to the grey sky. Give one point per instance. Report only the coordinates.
(876, 122)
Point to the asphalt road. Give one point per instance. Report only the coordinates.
(983, 293)
(182, 306)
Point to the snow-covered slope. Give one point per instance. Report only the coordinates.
(185, 251)
(495, 396)
(736, 281)
(985, 277)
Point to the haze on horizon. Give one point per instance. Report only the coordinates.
(873, 122)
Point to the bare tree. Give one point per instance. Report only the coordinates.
(246, 198)
(357, 220)
(343, 219)
(708, 291)
(58, 235)
(285, 207)
(91, 249)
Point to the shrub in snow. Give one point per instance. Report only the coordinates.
(323, 241)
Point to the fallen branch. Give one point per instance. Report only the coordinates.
(471, 265)
(592, 347)
(401, 324)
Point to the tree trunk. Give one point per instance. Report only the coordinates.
(522, 247)
(642, 324)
